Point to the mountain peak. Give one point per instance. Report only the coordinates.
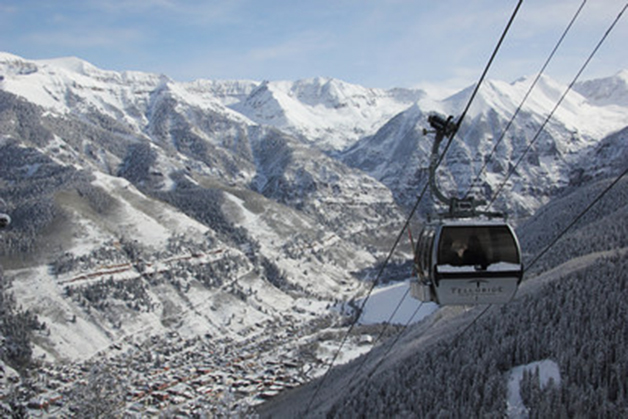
(606, 91)
(71, 64)
(7, 56)
(328, 112)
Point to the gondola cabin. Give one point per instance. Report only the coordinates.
(462, 262)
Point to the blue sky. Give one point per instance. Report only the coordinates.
(384, 43)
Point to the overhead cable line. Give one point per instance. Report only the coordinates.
(488, 65)
(383, 331)
(501, 187)
(555, 240)
(416, 205)
(370, 291)
(551, 114)
(533, 262)
(576, 219)
(502, 136)
(525, 98)
(405, 328)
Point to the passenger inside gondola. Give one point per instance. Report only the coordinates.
(474, 254)
(479, 247)
(456, 256)
(466, 253)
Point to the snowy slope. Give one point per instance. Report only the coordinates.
(381, 307)
(329, 113)
(71, 85)
(608, 91)
(576, 114)
(547, 370)
(152, 186)
(398, 154)
(170, 243)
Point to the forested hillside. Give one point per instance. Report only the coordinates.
(578, 322)
(570, 310)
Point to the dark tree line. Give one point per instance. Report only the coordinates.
(30, 181)
(136, 167)
(204, 205)
(21, 119)
(579, 322)
(602, 228)
(99, 295)
(16, 330)
(122, 251)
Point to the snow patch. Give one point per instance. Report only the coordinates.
(383, 301)
(548, 369)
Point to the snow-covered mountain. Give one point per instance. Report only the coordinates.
(244, 212)
(328, 113)
(606, 91)
(398, 153)
(162, 180)
(357, 124)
